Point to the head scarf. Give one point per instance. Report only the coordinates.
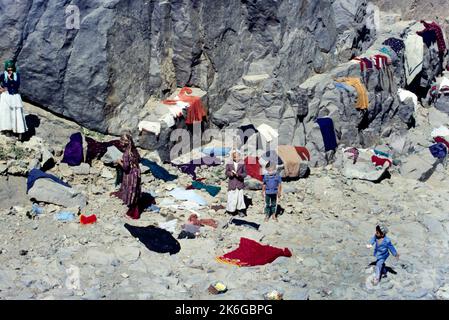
(10, 64)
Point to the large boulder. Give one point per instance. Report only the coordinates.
(45, 190)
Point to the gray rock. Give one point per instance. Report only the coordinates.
(45, 190)
(112, 155)
(82, 169)
(420, 166)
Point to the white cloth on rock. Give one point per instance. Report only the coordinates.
(150, 126)
(268, 132)
(414, 56)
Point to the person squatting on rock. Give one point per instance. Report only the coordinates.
(271, 190)
(11, 105)
(130, 189)
(236, 172)
(382, 248)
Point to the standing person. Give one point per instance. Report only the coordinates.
(11, 105)
(236, 172)
(130, 189)
(271, 190)
(382, 248)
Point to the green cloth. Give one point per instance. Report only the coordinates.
(270, 204)
(10, 64)
(212, 190)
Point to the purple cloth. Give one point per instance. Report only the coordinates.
(190, 168)
(96, 149)
(73, 153)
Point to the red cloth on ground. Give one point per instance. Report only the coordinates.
(441, 140)
(303, 153)
(253, 168)
(251, 253)
(378, 161)
(88, 220)
(195, 111)
(193, 219)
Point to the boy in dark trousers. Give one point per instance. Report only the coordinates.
(271, 191)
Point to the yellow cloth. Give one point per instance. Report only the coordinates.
(362, 101)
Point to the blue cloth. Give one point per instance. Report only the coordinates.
(272, 182)
(212, 190)
(190, 195)
(343, 86)
(328, 133)
(36, 209)
(382, 154)
(65, 216)
(382, 251)
(39, 174)
(380, 268)
(438, 150)
(216, 151)
(158, 171)
(154, 208)
(12, 85)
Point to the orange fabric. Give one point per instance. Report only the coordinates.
(193, 219)
(195, 111)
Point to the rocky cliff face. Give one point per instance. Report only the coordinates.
(127, 50)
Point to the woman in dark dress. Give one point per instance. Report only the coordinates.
(130, 189)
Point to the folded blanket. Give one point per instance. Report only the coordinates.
(291, 160)
(250, 253)
(155, 239)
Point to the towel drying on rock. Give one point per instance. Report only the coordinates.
(303, 153)
(193, 219)
(216, 151)
(190, 168)
(96, 149)
(434, 29)
(396, 44)
(239, 222)
(268, 132)
(251, 253)
(155, 239)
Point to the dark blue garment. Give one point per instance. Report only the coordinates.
(12, 85)
(328, 133)
(155, 239)
(190, 168)
(396, 44)
(39, 174)
(438, 150)
(73, 152)
(244, 223)
(157, 171)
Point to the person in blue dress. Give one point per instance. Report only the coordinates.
(382, 248)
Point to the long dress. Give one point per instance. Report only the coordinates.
(130, 190)
(11, 105)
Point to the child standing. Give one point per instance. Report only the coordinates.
(271, 191)
(382, 248)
